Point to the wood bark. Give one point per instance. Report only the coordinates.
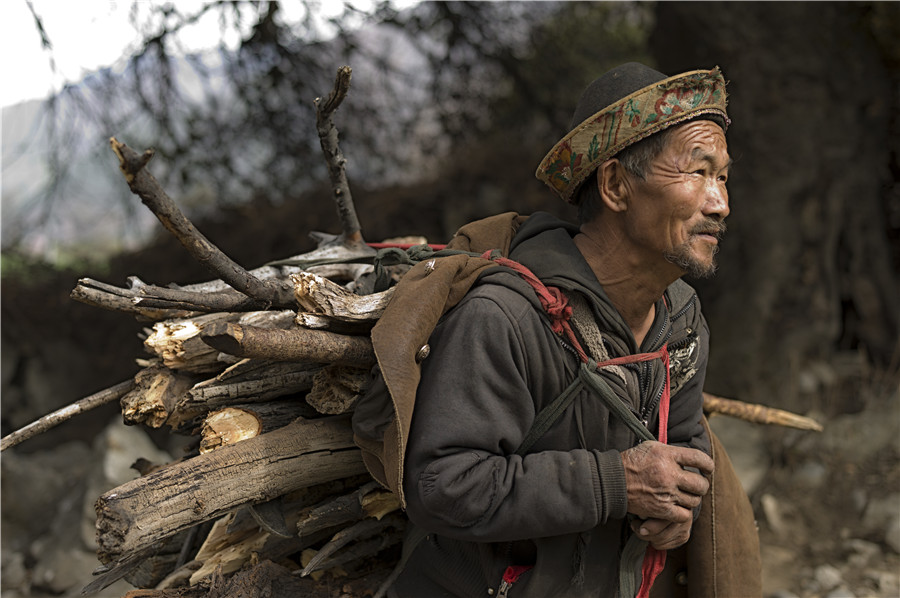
(88, 291)
(269, 385)
(143, 511)
(337, 262)
(360, 530)
(370, 500)
(178, 342)
(297, 344)
(334, 158)
(318, 295)
(277, 414)
(758, 414)
(234, 538)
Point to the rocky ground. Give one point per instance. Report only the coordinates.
(828, 504)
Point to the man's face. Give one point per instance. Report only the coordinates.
(678, 211)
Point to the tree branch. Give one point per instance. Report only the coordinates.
(334, 158)
(297, 344)
(144, 185)
(113, 393)
(757, 414)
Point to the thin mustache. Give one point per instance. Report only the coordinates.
(716, 228)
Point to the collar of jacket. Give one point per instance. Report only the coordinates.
(544, 244)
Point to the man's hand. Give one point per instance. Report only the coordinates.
(657, 484)
(662, 534)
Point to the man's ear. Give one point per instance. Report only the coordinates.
(612, 183)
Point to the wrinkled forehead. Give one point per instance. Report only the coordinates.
(700, 140)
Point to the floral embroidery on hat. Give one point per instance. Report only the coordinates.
(635, 117)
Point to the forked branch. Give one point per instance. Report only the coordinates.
(145, 186)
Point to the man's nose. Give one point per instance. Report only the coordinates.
(716, 200)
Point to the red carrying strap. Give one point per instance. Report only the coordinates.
(557, 307)
(655, 560)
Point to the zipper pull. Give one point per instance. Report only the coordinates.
(510, 576)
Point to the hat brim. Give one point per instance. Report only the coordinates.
(635, 117)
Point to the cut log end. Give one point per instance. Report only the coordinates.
(228, 426)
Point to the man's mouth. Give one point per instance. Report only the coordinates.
(714, 230)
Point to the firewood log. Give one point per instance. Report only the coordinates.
(137, 514)
(179, 345)
(228, 426)
(363, 529)
(336, 388)
(369, 500)
(354, 553)
(271, 382)
(297, 344)
(157, 390)
(231, 425)
(248, 381)
(318, 295)
(235, 538)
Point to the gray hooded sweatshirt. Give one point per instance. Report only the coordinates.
(494, 363)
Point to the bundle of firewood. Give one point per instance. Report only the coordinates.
(262, 368)
(275, 473)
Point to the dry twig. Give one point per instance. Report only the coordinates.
(113, 393)
(757, 414)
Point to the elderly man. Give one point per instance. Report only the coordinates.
(558, 446)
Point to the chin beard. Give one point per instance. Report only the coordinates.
(682, 257)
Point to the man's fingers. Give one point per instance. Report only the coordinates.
(674, 514)
(649, 527)
(693, 484)
(662, 535)
(687, 457)
(690, 500)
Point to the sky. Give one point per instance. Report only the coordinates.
(85, 35)
(90, 34)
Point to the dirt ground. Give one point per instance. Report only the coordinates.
(828, 504)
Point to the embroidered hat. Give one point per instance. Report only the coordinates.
(623, 106)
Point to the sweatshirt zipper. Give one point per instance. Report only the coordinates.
(648, 409)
